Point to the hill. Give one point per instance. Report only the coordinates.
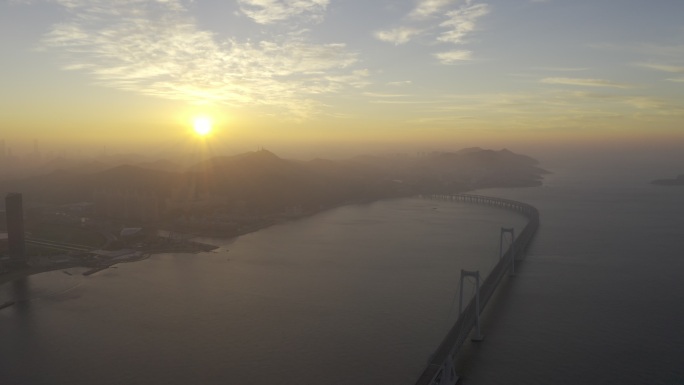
(233, 193)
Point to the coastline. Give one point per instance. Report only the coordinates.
(28, 271)
(14, 275)
(11, 276)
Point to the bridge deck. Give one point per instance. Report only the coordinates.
(455, 338)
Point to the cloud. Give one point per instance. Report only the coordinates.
(427, 8)
(457, 23)
(666, 68)
(663, 67)
(461, 22)
(397, 36)
(273, 11)
(646, 103)
(454, 57)
(155, 48)
(644, 49)
(585, 82)
(384, 95)
(400, 83)
(560, 69)
(656, 105)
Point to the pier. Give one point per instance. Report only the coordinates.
(440, 370)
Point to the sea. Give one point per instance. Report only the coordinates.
(363, 294)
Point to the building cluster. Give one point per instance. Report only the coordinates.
(128, 204)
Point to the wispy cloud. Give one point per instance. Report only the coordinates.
(272, 11)
(155, 48)
(666, 50)
(396, 36)
(454, 57)
(400, 83)
(461, 22)
(656, 105)
(457, 23)
(384, 95)
(560, 69)
(663, 67)
(427, 8)
(585, 82)
(552, 108)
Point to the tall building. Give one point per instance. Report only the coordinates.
(15, 227)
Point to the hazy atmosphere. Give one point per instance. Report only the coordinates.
(292, 75)
(341, 192)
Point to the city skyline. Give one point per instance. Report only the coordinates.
(284, 73)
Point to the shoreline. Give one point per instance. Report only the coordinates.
(29, 271)
(11, 276)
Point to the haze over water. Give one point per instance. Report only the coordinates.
(362, 293)
(599, 297)
(358, 294)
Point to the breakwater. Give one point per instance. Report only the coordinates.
(440, 365)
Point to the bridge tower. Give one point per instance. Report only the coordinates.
(502, 236)
(476, 274)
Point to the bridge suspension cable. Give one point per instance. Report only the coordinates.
(440, 369)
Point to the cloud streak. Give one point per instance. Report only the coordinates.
(273, 11)
(155, 48)
(427, 8)
(397, 36)
(663, 67)
(458, 22)
(454, 57)
(585, 82)
(461, 22)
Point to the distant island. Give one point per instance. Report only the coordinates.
(678, 181)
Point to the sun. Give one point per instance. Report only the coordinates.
(202, 125)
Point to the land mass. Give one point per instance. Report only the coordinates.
(678, 181)
(90, 206)
(230, 195)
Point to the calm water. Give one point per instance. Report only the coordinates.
(363, 294)
(600, 297)
(357, 295)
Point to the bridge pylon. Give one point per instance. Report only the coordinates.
(478, 331)
(502, 235)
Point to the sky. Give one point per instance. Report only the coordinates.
(295, 73)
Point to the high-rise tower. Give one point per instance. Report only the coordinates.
(15, 227)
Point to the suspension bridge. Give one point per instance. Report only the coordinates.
(440, 369)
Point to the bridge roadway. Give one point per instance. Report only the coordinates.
(59, 245)
(442, 360)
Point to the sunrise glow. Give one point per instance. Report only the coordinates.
(202, 125)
